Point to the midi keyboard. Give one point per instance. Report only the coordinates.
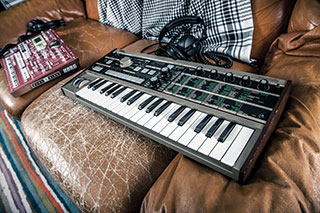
(219, 117)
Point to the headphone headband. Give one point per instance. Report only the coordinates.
(183, 20)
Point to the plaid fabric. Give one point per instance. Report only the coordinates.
(229, 23)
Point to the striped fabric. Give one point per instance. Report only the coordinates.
(25, 185)
(229, 24)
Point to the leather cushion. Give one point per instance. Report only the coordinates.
(14, 20)
(102, 165)
(305, 15)
(287, 176)
(89, 40)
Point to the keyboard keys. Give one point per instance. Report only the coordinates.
(94, 83)
(176, 113)
(237, 146)
(99, 85)
(198, 140)
(185, 118)
(156, 119)
(162, 108)
(146, 102)
(190, 133)
(115, 94)
(174, 123)
(134, 98)
(181, 129)
(164, 122)
(226, 132)
(202, 123)
(211, 142)
(214, 128)
(154, 105)
(127, 96)
(207, 134)
(221, 148)
(112, 90)
(107, 87)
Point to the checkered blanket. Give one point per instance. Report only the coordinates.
(229, 24)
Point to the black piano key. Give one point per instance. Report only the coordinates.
(153, 105)
(127, 96)
(203, 123)
(226, 132)
(107, 88)
(99, 85)
(94, 83)
(146, 102)
(116, 93)
(110, 91)
(186, 117)
(176, 113)
(134, 98)
(214, 128)
(162, 108)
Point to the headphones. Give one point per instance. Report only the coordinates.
(188, 45)
(35, 26)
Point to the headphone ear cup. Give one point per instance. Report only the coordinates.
(189, 44)
(35, 25)
(174, 50)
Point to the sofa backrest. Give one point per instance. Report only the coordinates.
(305, 16)
(270, 18)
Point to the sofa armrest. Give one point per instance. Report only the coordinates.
(13, 22)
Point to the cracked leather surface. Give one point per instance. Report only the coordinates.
(102, 165)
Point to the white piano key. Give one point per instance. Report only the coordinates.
(190, 133)
(134, 105)
(155, 119)
(148, 116)
(122, 104)
(141, 113)
(210, 143)
(135, 109)
(174, 124)
(164, 122)
(198, 140)
(117, 102)
(237, 146)
(178, 132)
(221, 148)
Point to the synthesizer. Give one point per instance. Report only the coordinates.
(36, 61)
(218, 117)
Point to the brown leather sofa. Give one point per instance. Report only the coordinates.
(104, 166)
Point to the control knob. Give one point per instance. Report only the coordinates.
(125, 62)
(199, 71)
(154, 82)
(228, 77)
(263, 85)
(165, 73)
(214, 74)
(245, 81)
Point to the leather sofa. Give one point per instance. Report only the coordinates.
(104, 166)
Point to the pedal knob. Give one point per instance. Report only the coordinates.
(199, 71)
(154, 82)
(125, 62)
(245, 81)
(263, 85)
(228, 77)
(165, 73)
(214, 74)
